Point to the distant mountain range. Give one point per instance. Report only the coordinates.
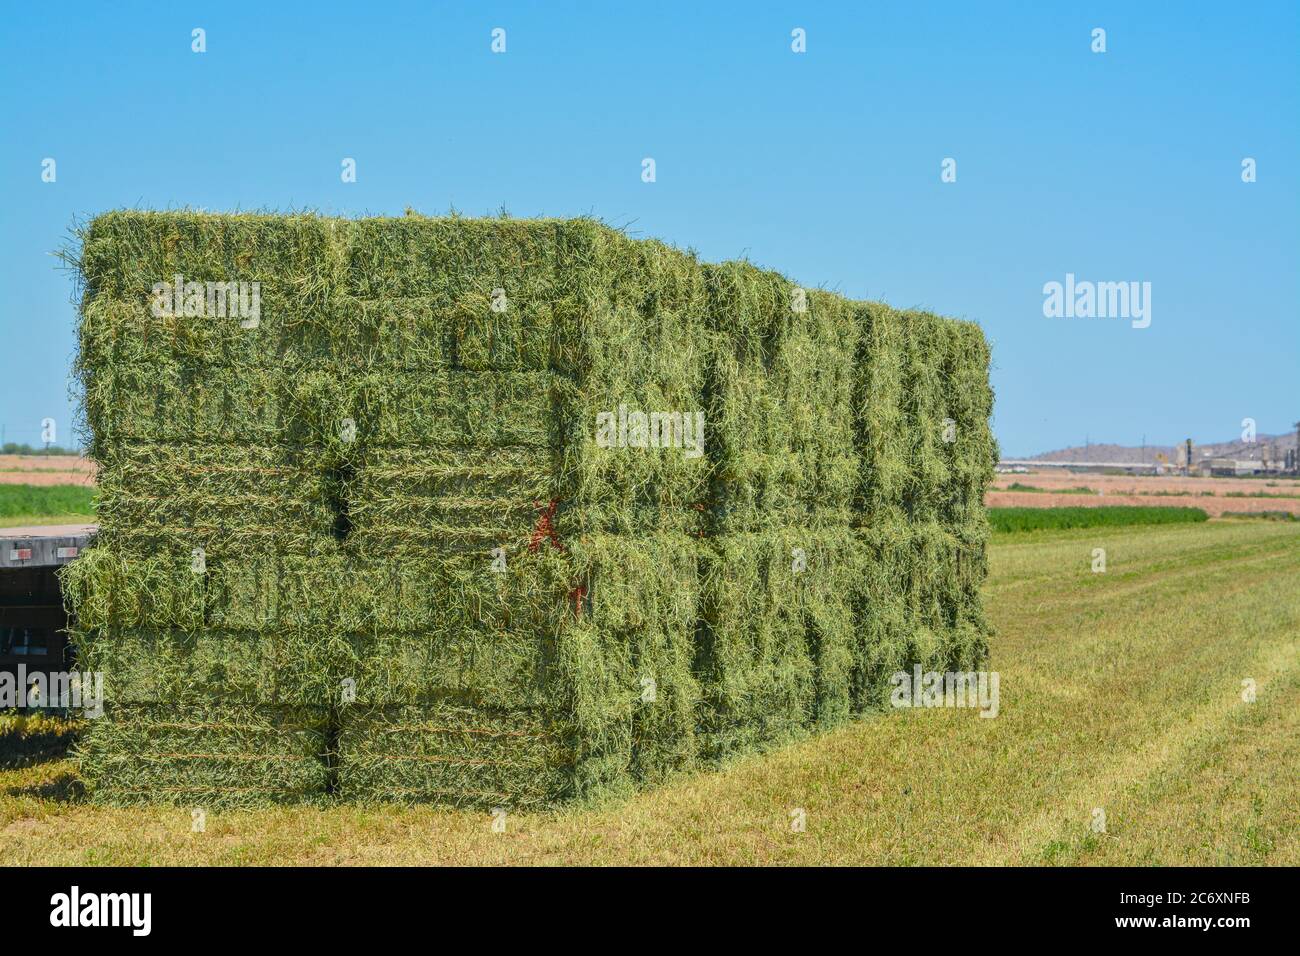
(1129, 454)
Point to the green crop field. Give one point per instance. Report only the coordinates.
(36, 504)
(1120, 692)
(1110, 516)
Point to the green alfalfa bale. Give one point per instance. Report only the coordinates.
(776, 652)
(141, 395)
(625, 650)
(339, 591)
(780, 388)
(172, 590)
(206, 754)
(596, 697)
(755, 477)
(951, 447)
(348, 616)
(751, 307)
(832, 572)
(477, 332)
(216, 540)
(169, 589)
(174, 403)
(824, 380)
(104, 588)
(514, 292)
(972, 571)
(629, 412)
(477, 629)
(487, 290)
(169, 402)
(448, 258)
(408, 539)
(881, 434)
(470, 334)
(751, 478)
(150, 493)
(910, 607)
(909, 574)
(474, 667)
(588, 633)
(976, 451)
(125, 253)
(460, 499)
(661, 489)
(447, 475)
(931, 576)
(945, 632)
(968, 645)
(260, 630)
(926, 420)
(882, 648)
(448, 753)
(143, 666)
(241, 327)
(480, 409)
(975, 455)
(810, 376)
(939, 599)
(409, 502)
(294, 628)
(881, 642)
(253, 474)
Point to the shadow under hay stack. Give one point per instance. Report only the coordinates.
(368, 547)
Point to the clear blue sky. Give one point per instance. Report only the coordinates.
(1117, 166)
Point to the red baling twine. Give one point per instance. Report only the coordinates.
(546, 529)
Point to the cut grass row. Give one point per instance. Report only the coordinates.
(1120, 690)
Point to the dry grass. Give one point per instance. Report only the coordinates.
(1216, 496)
(46, 470)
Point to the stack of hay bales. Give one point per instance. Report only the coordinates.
(926, 455)
(777, 635)
(375, 544)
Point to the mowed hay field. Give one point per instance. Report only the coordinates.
(1119, 690)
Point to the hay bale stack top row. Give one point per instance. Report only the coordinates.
(501, 512)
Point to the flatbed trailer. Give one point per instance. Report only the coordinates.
(32, 618)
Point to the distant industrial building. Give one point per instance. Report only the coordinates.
(1227, 467)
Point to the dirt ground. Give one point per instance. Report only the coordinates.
(1209, 494)
(46, 470)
